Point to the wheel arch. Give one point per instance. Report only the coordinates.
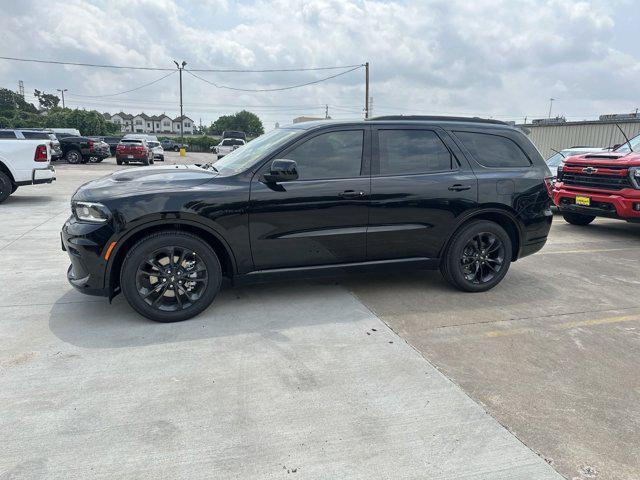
(503, 217)
(210, 236)
(5, 169)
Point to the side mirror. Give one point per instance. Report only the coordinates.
(282, 170)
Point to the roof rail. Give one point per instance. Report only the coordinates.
(439, 118)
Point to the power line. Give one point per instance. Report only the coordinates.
(126, 91)
(218, 70)
(272, 89)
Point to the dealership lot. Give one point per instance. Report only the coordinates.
(306, 378)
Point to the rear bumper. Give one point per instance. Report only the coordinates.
(623, 205)
(40, 175)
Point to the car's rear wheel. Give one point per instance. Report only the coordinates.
(477, 257)
(73, 156)
(145, 161)
(578, 218)
(6, 187)
(118, 161)
(170, 276)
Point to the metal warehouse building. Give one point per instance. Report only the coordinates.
(557, 134)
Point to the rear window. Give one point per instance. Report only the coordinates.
(35, 135)
(132, 141)
(494, 151)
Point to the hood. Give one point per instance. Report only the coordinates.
(605, 158)
(144, 179)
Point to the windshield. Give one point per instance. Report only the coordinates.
(635, 145)
(244, 157)
(555, 160)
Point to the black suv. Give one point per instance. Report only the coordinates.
(468, 196)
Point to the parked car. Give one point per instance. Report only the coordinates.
(134, 150)
(604, 184)
(156, 148)
(101, 150)
(113, 143)
(76, 149)
(24, 161)
(558, 158)
(467, 196)
(227, 146)
(171, 145)
(34, 133)
(234, 134)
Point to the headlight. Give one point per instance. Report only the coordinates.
(634, 173)
(90, 212)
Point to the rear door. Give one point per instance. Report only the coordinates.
(321, 218)
(420, 184)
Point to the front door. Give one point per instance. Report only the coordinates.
(420, 184)
(320, 218)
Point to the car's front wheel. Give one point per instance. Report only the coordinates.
(478, 256)
(578, 218)
(6, 187)
(170, 276)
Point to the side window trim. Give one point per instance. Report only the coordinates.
(456, 165)
(365, 160)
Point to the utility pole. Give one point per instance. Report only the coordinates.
(550, 105)
(62, 92)
(366, 90)
(180, 68)
(371, 107)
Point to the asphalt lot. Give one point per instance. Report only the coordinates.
(322, 379)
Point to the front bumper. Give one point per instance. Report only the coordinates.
(85, 244)
(622, 204)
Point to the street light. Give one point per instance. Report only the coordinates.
(180, 68)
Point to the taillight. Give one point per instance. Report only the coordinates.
(120, 148)
(91, 145)
(41, 154)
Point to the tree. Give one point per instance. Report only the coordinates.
(46, 100)
(15, 112)
(245, 121)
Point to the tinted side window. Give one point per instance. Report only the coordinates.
(7, 134)
(329, 155)
(494, 150)
(412, 151)
(35, 135)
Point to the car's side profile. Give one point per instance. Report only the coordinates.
(462, 195)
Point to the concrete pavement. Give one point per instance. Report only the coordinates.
(291, 379)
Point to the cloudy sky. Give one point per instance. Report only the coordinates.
(494, 58)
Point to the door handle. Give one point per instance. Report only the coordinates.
(459, 188)
(351, 194)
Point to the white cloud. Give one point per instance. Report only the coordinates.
(491, 57)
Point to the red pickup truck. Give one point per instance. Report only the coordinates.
(602, 184)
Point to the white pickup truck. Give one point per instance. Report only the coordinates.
(24, 161)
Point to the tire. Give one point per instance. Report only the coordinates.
(578, 218)
(14, 187)
(161, 158)
(73, 156)
(6, 187)
(145, 161)
(176, 149)
(118, 161)
(485, 266)
(152, 161)
(137, 279)
(94, 160)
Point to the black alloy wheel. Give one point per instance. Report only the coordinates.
(170, 276)
(478, 256)
(482, 258)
